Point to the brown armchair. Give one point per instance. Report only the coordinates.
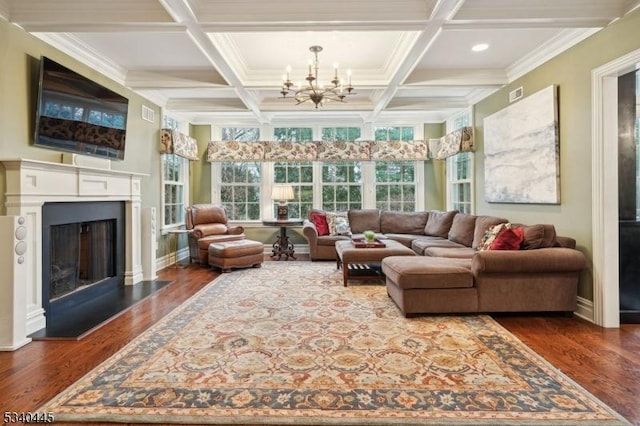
(207, 223)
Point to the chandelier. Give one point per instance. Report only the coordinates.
(313, 91)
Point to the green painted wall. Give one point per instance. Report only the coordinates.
(571, 72)
(19, 68)
(201, 170)
(434, 172)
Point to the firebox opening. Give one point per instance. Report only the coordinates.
(82, 253)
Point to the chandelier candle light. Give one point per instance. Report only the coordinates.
(313, 91)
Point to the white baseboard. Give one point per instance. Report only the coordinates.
(169, 259)
(585, 309)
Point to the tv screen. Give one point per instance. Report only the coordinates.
(79, 115)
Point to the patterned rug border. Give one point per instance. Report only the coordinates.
(141, 416)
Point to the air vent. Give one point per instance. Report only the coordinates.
(516, 94)
(148, 114)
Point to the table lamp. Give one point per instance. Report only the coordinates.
(282, 193)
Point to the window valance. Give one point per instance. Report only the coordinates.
(316, 151)
(460, 140)
(174, 142)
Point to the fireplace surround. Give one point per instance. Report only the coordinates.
(32, 183)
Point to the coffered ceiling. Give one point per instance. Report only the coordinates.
(221, 60)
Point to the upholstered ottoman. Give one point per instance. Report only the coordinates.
(349, 254)
(421, 285)
(236, 254)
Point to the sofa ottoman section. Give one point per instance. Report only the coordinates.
(236, 254)
(422, 285)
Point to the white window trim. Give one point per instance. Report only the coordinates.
(451, 181)
(186, 172)
(185, 194)
(449, 167)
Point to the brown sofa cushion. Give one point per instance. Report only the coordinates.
(462, 229)
(403, 222)
(538, 236)
(450, 252)
(483, 223)
(206, 213)
(212, 228)
(427, 272)
(364, 220)
(439, 223)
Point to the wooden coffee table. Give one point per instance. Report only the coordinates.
(366, 258)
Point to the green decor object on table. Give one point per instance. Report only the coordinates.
(369, 236)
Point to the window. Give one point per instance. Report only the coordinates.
(293, 134)
(341, 181)
(173, 178)
(460, 173)
(340, 133)
(175, 184)
(395, 185)
(298, 175)
(244, 188)
(394, 133)
(240, 181)
(395, 180)
(341, 186)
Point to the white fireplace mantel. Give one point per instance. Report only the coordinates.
(31, 183)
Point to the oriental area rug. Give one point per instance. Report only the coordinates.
(288, 344)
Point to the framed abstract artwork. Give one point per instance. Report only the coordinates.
(522, 151)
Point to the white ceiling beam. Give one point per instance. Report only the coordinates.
(205, 104)
(523, 24)
(429, 104)
(224, 27)
(102, 27)
(181, 11)
(442, 12)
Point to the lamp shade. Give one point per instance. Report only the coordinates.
(282, 192)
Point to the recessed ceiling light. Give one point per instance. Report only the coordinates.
(480, 47)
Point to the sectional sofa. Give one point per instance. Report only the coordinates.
(451, 273)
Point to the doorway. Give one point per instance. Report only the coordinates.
(629, 196)
(604, 177)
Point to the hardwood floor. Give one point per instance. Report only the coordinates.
(604, 361)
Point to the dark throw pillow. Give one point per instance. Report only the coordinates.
(320, 221)
(508, 239)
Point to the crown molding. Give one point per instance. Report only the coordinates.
(456, 77)
(175, 79)
(5, 11)
(565, 40)
(630, 6)
(84, 53)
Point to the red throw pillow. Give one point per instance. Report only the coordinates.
(320, 221)
(508, 239)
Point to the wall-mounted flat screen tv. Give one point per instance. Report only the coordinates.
(79, 115)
